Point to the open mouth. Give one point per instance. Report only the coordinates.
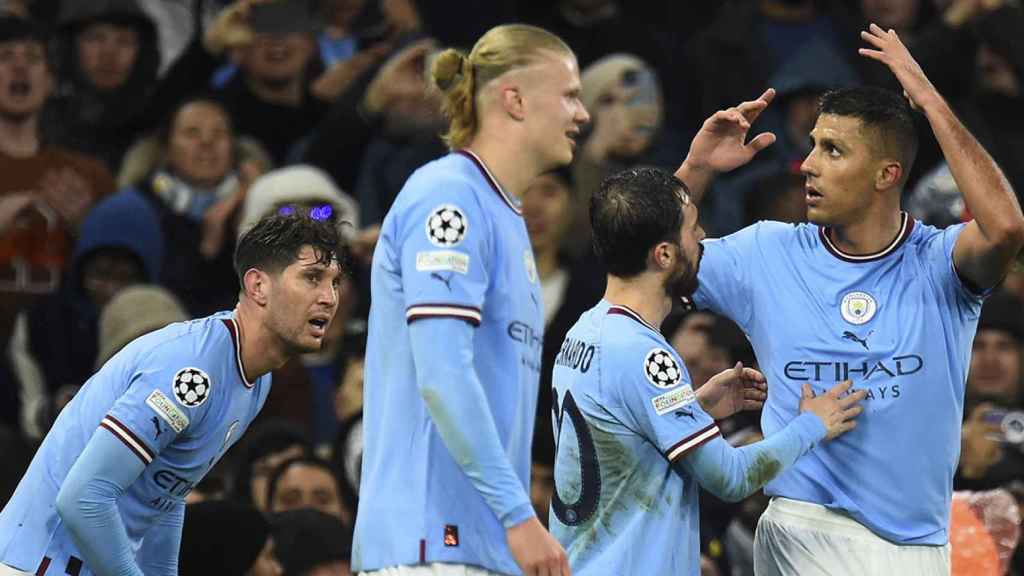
(812, 194)
(319, 326)
(20, 88)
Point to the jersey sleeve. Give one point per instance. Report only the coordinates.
(938, 252)
(724, 276)
(168, 395)
(655, 398)
(444, 250)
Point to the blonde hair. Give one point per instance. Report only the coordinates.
(459, 77)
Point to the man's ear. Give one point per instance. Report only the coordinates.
(512, 102)
(256, 285)
(662, 256)
(889, 175)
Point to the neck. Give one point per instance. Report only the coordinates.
(547, 263)
(869, 234)
(20, 136)
(262, 352)
(285, 94)
(506, 161)
(644, 294)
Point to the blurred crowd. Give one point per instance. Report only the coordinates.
(138, 137)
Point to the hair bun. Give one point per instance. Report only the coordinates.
(447, 69)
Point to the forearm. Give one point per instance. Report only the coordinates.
(160, 547)
(986, 191)
(697, 179)
(732, 474)
(87, 504)
(455, 399)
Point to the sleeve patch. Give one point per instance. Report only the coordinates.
(446, 226)
(166, 410)
(191, 387)
(672, 400)
(661, 369)
(442, 261)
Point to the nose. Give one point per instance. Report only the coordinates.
(582, 116)
(807, 166)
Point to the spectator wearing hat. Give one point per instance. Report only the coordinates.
(312, 543)
(227, 539)
(132, 312)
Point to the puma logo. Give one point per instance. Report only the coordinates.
(447, 281)
(847, 335)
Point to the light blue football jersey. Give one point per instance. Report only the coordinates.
(178, 400)
(625, 412)
(899, 323)
(453, 245)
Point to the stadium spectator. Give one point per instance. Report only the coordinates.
(195, 171)
(307, 482)
(132, 312)
(271, 442)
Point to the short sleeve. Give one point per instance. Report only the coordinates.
(656, 399)
(167, 396)
(444, 245)
(938, 253)
(723, 279)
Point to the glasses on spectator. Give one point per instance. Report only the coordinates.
(322, 212)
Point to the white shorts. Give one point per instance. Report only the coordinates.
(795, 537)
(434, 569)
(6, 570)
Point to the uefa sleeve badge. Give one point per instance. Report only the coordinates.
(446, 226)
(191, 387)
(661, 368)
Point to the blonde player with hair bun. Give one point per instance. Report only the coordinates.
(456, 324)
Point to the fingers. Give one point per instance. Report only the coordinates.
(852, 399)
(761, 141)
(806, 392)
(873, 54)
(753, 108)
(840, 388)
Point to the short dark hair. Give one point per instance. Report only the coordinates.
(884, 111)
(312, 462)
(274, 243)
(632, 212)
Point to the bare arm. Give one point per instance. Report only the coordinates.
(988, 244)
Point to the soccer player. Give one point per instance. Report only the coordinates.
(633, 438)
(456, 326)
(105, 493)
(862, 292)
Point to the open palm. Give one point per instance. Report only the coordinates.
(733, 390)
(721, 143)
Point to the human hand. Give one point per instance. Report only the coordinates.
(230, 28)
(400, 77)
(536, 551)
(67, 192)
(891, 52)
(215, 220)
(336, 79)
(733, 390)
(720, 145)
(978, 448)
(837, 412)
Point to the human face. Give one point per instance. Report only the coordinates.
(107, 54)
(683, 281)
(199, 150)
(304, 486)
(995, 365)
(692, 341)
(303, 300)
(553, 110)
(107, 272)
(266, 563)
(840, 171)
(546, 211)
(278, 59)
(263, 468)
(25, 80)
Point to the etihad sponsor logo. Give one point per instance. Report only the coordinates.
(825, 370)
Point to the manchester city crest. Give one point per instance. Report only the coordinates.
(858, 308)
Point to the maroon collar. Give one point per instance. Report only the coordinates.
(906, 227)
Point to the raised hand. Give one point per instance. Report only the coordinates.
(721, 144)
(733, 390)
(837, 412)
(891, 52)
